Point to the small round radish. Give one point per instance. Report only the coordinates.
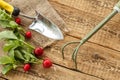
(18, 20)
(27, 67)
(28, 34)
(47, 63)
(38, 51)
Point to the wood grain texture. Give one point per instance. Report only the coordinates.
(92, 59)
(81, 21)
(60, 73)
(98, 59)
(37, 72)
(44, 8)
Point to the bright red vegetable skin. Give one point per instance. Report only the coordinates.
(18, 20)
(47, 63)
(27, 67)
(38, 51)
(28, 34)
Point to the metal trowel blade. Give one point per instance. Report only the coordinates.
(46, 28)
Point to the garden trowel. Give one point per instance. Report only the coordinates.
(40, 23)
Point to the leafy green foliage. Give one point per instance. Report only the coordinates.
(7, 68)
(5, 19)
(7, 35)
(12, 44)
(13, 24)
(18, 51)
(11, 53)
(6, 60)
(19, 55)
(4, 23)
(21, 37)
(4, 15)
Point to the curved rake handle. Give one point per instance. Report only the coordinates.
(91, 33)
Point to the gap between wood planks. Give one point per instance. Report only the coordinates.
(91, 37)
(17, 72)
(3, 78)
(78, 71)
(87, 4)
(58, 7)
(96, 37)
(34, 74)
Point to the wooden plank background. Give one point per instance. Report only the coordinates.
(98, 59)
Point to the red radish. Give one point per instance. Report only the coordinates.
(28, 34)
(38, 51)
(27, 67)
(18, 20)
(47, 63)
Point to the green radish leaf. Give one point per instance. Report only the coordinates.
(21, 37)
(28, 54)
(7, 68)
(19, 55)
(6, 20)
(11, 53)
(13, 24)
(21, 30)
(8, 46)
(7, 35)
(33, 60)
(6, 60)
(8, 24)
(27, 58)
(4, 23)
(29, 50)
(11, 44)
(4, 15)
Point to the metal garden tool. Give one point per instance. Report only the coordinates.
(116, 9)
(40, 23)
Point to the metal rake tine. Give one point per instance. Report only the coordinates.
(62, 49)
(74, 56)
(92, 32)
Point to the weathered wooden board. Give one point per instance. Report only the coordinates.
(55, 73)
(105, 45)
(42, 41)
(98, 59)
(92, 59)
(81, 18)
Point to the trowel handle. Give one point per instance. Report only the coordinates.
(9, 8)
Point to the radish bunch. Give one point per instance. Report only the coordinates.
(38, 52)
